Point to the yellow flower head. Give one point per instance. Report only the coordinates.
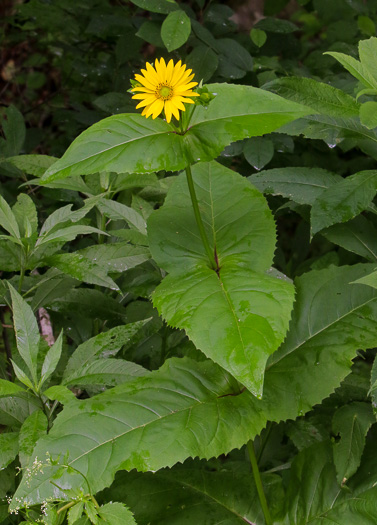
(164, 87)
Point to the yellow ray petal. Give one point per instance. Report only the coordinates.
(143, 90)
(168, 110)
(169, 71)
(152, 72)
(158, 106)
(178, 103)
(177, 73)
(145, 82)
(184, 77)
(141, 96)
(176, 112)
(185, 87)
(146, 102)
(161, 69)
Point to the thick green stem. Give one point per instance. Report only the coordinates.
(258, 483)
(199, 222)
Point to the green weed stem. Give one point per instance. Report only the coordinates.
(198, 218)
(258, 483)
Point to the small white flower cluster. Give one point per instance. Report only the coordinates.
(37, 466)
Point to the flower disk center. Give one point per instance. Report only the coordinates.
(165, 92)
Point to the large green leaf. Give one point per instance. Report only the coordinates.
(314, 496)
(237, 318)
(344, 201)
(184, 409)
(195, 493)
(237, 315)
(132, 143)
(189, 408)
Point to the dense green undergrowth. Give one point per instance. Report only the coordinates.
(189, 309)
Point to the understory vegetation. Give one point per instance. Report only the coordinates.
(188, 305)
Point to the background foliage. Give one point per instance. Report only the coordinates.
(90, 365)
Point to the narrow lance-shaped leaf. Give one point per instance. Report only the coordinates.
(26, 330)
(7, 219)
(8, 388)
(51, 360)
(352, 423)
(133, 144)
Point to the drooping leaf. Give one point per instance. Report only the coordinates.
(194, 493)
(82, 268)
(132, 143)
(7, 219)
(34, 427)
(321, 97)
(116, 257)
(302, 185)
(8, 448)
(66, 215)
(54, 285)
(90, 303)
(118, 211)
(67, 234)
(7, 388)
(344, 201)
(352, 423)
(109, 372)
(27, 332)
(358, 236)
(32, 164)
(175, 30)
(236, 315)
(105, 344)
